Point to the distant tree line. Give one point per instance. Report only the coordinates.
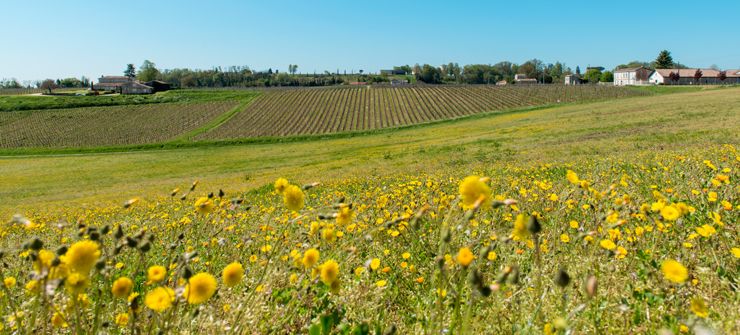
(487, 73)
(57, 83)
(451, 73)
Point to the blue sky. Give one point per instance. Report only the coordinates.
(53, 39)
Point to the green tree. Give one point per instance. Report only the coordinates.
(48, 84)
(70, 82)
(556, 72)
(634, 64)
(148, 71)
(607, 77)
(593, 76)
(430, 74)
(664, 60)
(130, 71)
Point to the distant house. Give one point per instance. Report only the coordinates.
(632, 76)
(688, 77)
(126, 85)
(396, 82)
(573, 79)
(111, 83)
(393, 72)
(521, 79)
(501, 83)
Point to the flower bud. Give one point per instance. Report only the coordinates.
(591, 286)
(534, 225)
(562, 279)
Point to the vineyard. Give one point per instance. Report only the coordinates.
(20, 91)
(106, 126)
(322, 111)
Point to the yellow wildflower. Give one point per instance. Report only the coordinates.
(674, 271)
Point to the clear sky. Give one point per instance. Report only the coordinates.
(54, 39)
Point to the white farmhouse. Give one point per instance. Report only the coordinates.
(632, 76)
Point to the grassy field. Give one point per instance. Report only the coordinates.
(607, 217)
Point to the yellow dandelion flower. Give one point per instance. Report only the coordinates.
(200, 288)
(81, 256)
(328, 234)
(574, 224)
(374, 264)
(344, 216)
(465, 256)
(572, 177)
(310, 258)
(380, 283)
(699, 307)
(293, 198)
(607, 244)
(76, 282)
(706, 230)
(491, 256)
(122, 287)
(204, 205)
(329, 272)
(122, 319)
(670, 213)
(280, 185)
(43, 261)
(736, 252)
(564, 238)
(232, 274)
(520, 232)
(159, 299)
(621, 252)
(9, 282)
(156, 273)
(57, 320)
(674, 271)
(473, 190)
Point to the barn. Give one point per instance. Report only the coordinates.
(126, 85)
(694, 77)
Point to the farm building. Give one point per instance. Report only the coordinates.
(111, 83)
(392, 72)
(521, 79)
(158, 85)
(632, 76)
(135, 87)
(572, 79)
(126, 85)
(691, 77)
